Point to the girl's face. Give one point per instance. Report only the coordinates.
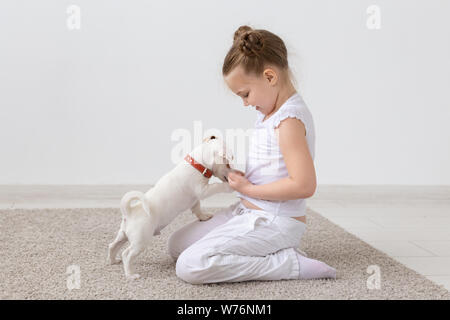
(259, 92)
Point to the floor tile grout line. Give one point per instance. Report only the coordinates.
(411, 241)
(381, 226)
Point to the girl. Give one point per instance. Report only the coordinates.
(257, 237)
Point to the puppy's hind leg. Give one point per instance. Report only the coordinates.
(128, 257)
(115, 246)
(140, 237)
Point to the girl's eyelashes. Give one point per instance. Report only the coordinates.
(246, 95)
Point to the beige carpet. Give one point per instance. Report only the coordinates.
(37, 246)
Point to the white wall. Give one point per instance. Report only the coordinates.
(99, 105)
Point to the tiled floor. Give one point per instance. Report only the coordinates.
(410, 224)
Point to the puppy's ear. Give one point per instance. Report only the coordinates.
(225, 154)
(209, 138)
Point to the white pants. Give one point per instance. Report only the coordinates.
(237, 244)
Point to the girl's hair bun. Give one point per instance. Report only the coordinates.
(249, 41)
(254, 50)
(240, 31)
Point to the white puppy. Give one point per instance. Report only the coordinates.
(180, 189)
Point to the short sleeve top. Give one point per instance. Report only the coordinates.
(265, 164)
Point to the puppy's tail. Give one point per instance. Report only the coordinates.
(128, 198)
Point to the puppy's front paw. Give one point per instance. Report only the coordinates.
(133, 276)
(204, 216)
(113, 261)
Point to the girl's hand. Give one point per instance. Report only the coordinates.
(238, 181)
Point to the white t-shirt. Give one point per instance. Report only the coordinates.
(265, 162)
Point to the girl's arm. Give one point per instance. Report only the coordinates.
(301, 182)
(283, 189)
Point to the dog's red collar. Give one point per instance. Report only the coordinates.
(205, 171)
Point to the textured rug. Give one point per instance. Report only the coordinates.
(45, 251)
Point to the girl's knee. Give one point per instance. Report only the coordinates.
(173, 246)
(188, 270)
(200, 268)
(181, 239)
(187, 235)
